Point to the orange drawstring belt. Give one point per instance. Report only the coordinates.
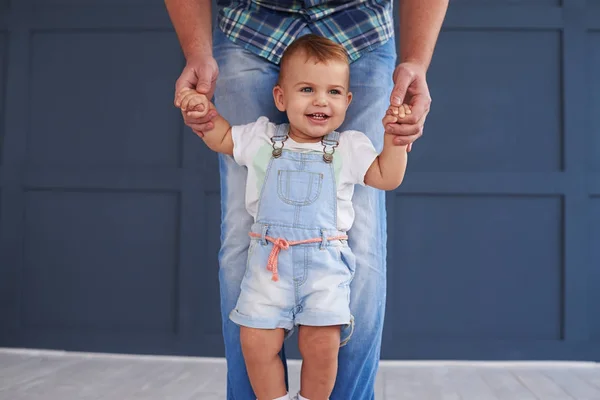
(282, 244)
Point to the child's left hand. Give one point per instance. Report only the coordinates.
(395, 114)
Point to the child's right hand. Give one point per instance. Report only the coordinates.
(193, 104)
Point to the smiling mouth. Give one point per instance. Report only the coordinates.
(318, 116)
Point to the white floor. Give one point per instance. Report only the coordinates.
(50, 375)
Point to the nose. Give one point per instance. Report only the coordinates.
(320, 100)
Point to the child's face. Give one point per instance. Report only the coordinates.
(314, 95)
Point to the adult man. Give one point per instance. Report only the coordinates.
(239, 64)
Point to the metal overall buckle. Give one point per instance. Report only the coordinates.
(277, 150)
(328, 155)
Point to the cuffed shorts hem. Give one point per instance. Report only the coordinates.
(258, 323)
(320, 319)
(314, 319)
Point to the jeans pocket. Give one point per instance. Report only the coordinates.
(349, 260)
(251, 248)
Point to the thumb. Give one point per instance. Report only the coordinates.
(187, 80)
(204, 81)
(401, 84)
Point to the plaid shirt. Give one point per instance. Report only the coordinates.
(267, 27)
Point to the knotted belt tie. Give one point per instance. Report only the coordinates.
(282, 244)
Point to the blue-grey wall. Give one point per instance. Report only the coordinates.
(109, 206)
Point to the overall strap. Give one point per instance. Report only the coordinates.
(281, 135)
(332, 138)
(330, 142)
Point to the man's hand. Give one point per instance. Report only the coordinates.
(410, 87)
(200, 74)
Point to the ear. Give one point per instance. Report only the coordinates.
(278, 97)
(349, 99)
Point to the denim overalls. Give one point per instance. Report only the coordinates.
(299, 265)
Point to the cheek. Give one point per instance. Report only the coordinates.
(298, 106)
(340, 109)
(295, 113)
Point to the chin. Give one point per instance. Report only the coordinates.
(318, 133)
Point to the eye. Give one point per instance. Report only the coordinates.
(306, 89)
(334, 91)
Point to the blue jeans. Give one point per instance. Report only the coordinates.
(244, 93)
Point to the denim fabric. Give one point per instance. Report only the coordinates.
(244, 93)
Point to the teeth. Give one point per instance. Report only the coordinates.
(318, 116)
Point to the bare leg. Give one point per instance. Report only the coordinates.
(261, 353)
(319, 346)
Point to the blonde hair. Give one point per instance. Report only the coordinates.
(313, 46)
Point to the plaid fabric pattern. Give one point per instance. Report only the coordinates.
(267, 27)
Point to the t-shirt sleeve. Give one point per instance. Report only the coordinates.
(246, 138)
(360, 154)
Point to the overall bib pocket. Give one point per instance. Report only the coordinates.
(299, 188)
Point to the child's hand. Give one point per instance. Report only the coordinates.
(193, 104)
(400, 111)
(395, 114)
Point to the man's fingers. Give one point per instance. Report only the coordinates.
(203, 124)
(420, 105)
(204, 81)
(401, 83)
(187, 80)
(198, 79)
(406, 140)
(404, 129)
(406, 134)
(193, 120)
(201, 127)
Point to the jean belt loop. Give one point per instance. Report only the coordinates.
(323, 239)
(263, 237)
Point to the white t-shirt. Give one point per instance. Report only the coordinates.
(354, 155)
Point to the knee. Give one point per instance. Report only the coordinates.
(259, 345)
(320, 346)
